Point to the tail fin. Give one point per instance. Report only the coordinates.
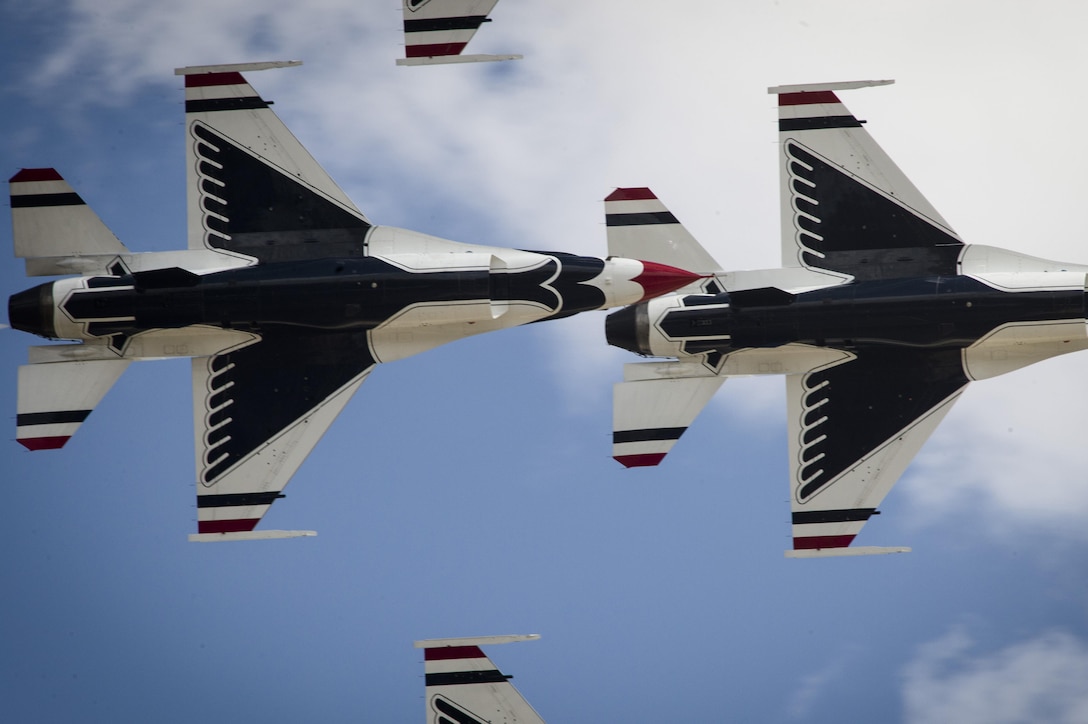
(55, 398)
(53, 227)
(640, 227)
(464, 687)
(436, 31)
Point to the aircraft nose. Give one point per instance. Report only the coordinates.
(32, 311)
(657, 279)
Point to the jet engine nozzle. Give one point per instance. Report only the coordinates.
(32, 311)
(629, 329)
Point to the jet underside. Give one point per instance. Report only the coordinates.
(879, 318)
(286, 298)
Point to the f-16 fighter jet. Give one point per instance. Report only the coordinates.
(286, 299)
(464, 687)
(879, 319)
(436, 31)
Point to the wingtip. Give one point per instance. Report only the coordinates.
(846, 552)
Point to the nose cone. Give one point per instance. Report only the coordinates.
(657, 279)
(32, 311)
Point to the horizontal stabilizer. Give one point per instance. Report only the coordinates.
(843, 552)
(49, 219)
(650, 414)
(55, 399)
(640, 227)
(250, 535)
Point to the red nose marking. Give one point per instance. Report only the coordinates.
(657, 279)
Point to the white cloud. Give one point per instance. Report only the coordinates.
(813, 685)
(1039, 680)
(1012, 453)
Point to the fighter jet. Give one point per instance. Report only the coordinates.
(436, 31)
(879, 319)
(286, 298)
(464, 687)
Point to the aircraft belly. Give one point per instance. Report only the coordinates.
(934, 313)
(1015, 345)
(196, 341)
(421, 328)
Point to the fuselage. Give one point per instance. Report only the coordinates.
(439, 294)
(934, 312)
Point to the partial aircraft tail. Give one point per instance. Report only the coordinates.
(640, 227)
(464, 687)
(654, 406)
(55, 398)
(656, 402)
(56, 232)
(54, 229)
(437, 31)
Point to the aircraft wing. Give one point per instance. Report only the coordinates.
(846, 207)
(854, 426)
(259, 409)
(437, 31)
(253, 189)
(463, 686)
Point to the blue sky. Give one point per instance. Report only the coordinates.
(470, 490)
